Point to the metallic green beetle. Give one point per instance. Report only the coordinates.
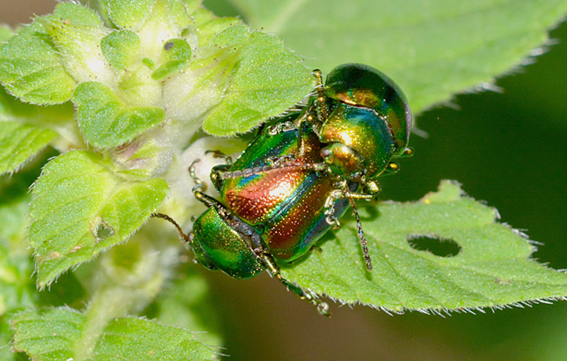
(362, 120)
(365, 120)
(270, 209)
(297, 177)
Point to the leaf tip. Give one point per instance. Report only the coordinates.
(448, 190)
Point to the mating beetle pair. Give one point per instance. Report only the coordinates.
(298, 176)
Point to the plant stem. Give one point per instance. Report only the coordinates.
(106, 304)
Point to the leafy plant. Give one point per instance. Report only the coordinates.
(121, 94)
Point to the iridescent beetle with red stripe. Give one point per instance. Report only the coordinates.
(297, 177)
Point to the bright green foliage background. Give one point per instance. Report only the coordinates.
(80, 208)
(492, 267)
(90, 201)
(105, 121)
(19, 142)
(432, 49)
(124, 338)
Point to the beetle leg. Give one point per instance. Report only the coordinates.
(248, 171)
(300, 153)
(304, 294)
(215, 172)
(251, 237)
(199, 184)
(281, 127)
(313, 114)
(219, 154)
(278, 164)
(330, 208)
(331, 219)
(217, 175)
(407, 153)
(291, 125)
(371, 187)
(391, 168)
(310, 116)
(200, 188)
(280, 161)
(322, 106)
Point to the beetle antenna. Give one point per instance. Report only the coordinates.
(177, 226)
(360, 234)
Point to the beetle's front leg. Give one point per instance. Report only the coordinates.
(219, 154)
(200, 186)
(216, 171)
(217, 175)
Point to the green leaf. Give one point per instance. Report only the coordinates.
(14, 220)
(129, 14)
(17, 288)
(55, 115)
(188, 304)
(45, 120)
(6, 334)
(80, 208)
(32, 69)
(208, 25)
(237, 81)
(19, 141)
(493, 267)
(138, 339)
(32, 65)
(177, 53)
(105, 121)
(141, 160)
(76, 14)
(135, 14)
(52, 334)
(16, 267)
(432, 49)
(43, 63)
(47, 335)
(6, 33)
(165, 20)
(121, 48)
(77, 35)
(268, 80)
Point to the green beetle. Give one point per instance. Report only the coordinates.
(298, 176)
(365, 120)
(267, 212)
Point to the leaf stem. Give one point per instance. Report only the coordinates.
(106, 304)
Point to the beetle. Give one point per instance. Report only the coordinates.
(299, 174)
(270, 209)
(362, 120)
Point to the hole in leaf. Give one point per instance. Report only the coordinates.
(102, 230)
(435, 244)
